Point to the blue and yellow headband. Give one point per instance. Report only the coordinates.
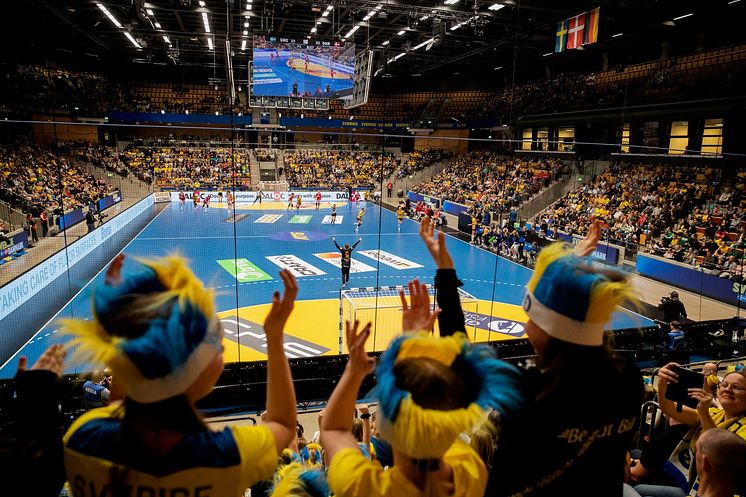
(175, 348)
(569, 302)
(293, 480)
(428, 433)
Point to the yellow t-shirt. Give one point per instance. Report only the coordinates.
(351, 474)
(220, 463)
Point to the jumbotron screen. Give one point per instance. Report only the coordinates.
(301, 68)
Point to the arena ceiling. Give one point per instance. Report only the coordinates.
(478, 36)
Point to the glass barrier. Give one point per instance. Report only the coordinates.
(241, 202)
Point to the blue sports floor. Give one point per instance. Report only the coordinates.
(303, 241)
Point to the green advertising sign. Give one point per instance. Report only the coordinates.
(300, 219)
(243, 270)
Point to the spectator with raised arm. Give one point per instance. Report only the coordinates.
(157, 328)
(31, 451)
(583, 439)
(430, 389)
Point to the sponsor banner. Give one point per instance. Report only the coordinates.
(692, 279)
(18, 242)
(417, 197)
(295, 265)
(243, 270)
(454, 208)
(495, 324)
(328, 219)
(164, 197)
(251, 334)
(268, 218)
(18, 291)
(335, 259)
(300, 219)
(243, 197)
(107, 202)
(236, 218)
(392, 260)
(302, 236)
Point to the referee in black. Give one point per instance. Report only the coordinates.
(346, 259)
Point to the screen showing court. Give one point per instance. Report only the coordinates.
(301, 68)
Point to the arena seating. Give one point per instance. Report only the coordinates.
(337, 169)
(494, 181)
(673, 212)
(31, 179)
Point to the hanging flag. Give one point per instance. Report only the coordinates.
(576, 31)
(591, 26)
(560, 42)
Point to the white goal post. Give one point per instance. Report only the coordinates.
(382, 307)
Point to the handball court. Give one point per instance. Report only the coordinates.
(240, 255)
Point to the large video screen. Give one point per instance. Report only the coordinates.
(301, 68)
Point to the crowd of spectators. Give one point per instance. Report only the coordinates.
(685, 213)
(180, 167)
(338, 169)
(33, 179)
(420, 159)
(265, 155)
(451, 418)
(53, 89)
(494, 182)
(109, 159)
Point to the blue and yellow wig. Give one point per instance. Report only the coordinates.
(293, 480)
(428, 433)
(569, 300)
(176, 346)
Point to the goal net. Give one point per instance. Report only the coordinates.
(382, 307)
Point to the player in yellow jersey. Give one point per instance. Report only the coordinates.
(399, 217)
(360, 218)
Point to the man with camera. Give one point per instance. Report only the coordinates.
(673, 309)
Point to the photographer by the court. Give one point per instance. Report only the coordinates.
(673, 309)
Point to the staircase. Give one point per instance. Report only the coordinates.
(254, 168)
(130, 187)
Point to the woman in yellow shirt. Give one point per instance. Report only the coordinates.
(430, 389)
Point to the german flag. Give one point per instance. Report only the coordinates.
(591, 26)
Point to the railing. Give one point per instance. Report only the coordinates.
(11, 215)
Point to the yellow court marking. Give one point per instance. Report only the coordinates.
(275, 205)
(317, 321)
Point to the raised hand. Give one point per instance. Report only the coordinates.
(360, 362)
(667, 375)
(588, 245)
(417, 316)
(53, 359)
(437, 248)
(281, 307)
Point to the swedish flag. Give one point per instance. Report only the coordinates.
(560, 43)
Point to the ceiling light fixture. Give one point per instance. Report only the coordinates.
(351, 32)
(417, 47)
(206, 22)
(313, 29)
(209, 43)
(157, 25)
(400, 33)
(245, 32)
(617, 35)
(130, 38)
(733, 1)
(425, 17)
(108, 14)
(451, 2)
(150, 12)
(243, 44)
(201, 3)
(246, 25)
(496, 6)
(165, 38)
(547, 54)
(385, 43)
(684, 16)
